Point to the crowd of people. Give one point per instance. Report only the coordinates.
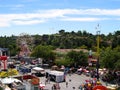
(56, 86)
(89, 84)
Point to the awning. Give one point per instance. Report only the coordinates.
(9, 80)
(38, 69)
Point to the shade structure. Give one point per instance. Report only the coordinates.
(38, 69)
(56, 76)
(7, 88)
(9, 80)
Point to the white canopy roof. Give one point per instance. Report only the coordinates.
(38, 69)
(57, 73)
(9, 80)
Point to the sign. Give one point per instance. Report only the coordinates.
(3, 57)
(3, 62)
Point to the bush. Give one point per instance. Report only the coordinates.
(63, 61)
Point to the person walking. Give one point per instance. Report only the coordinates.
(80, 87)
(66, 84)
(73, 88)
(48, 79)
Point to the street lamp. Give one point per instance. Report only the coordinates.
(98, 44)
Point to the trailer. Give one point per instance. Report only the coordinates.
(56, 76)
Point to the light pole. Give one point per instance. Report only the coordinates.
(98, 51)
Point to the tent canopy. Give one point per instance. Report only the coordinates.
(56, 73)
(9, 80)
(38, 69)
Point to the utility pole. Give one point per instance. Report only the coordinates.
(98, 50)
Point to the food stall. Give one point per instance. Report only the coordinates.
(38, 71)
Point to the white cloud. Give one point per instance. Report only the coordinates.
(108, 12)
(4, 24)
(28, 22)
(88, 19)
(61, 14)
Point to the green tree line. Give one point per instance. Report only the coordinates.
(109, 47)
(66, 40)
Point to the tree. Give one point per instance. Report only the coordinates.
(62, 31)
(44, 52)
(110, 58)
(37, 39)
(63, 61)
(78, 58)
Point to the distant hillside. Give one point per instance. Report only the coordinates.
(66, 41)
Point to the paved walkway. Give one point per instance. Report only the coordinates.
(73, 81)
(76, 81)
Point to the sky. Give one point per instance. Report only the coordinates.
(50, 16)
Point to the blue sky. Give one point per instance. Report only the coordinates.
(50, 16)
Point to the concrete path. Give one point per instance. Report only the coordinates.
(76, 81)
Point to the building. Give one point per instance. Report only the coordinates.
(4, 52)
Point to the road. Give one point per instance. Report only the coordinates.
(76, 81)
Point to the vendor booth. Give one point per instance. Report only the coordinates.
(38, 71)
(13, 83)
(33, 81)
(24, 69)
(56, 76)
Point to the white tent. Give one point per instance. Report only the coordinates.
(56, 75)
(7, 88)
(38, 69)
(9, 80)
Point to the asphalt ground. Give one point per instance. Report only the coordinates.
(74, 81)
